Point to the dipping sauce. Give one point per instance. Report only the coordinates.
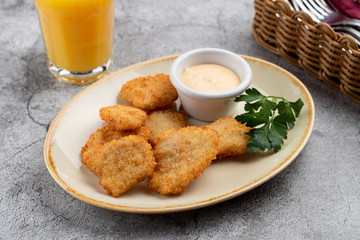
(210, 78)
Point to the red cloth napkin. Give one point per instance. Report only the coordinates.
(350, 7)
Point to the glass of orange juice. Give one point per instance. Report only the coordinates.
(78, 36)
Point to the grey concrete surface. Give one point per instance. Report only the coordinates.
(316, 197)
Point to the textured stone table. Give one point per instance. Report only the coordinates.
(316, 197)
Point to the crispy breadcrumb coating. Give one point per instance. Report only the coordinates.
(89, 152)
(233, 140)
(149, 93)
(182, 155)
(123, 117)
(126, 162)
(162, 120)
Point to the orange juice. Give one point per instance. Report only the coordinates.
(78, 34)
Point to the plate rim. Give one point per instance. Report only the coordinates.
(167, 209)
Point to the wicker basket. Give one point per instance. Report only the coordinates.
(316, 48)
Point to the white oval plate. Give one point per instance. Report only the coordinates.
(223, 180)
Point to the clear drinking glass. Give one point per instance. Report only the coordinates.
(78, 37)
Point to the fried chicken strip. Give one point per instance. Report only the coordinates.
(150, 92)
(233, 138)
(162, 120)
(125, 163)
(100, 137)
(123, 117)
(182, 155)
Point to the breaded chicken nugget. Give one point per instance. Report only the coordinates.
(233, 140)
(89, 152)
(162, 120)
(149, 93)
(126, 162)
(123, 117)
(182, 155)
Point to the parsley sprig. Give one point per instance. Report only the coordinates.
(270, 117)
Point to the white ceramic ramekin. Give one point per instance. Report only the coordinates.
(210, 106)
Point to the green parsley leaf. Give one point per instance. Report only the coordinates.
(252, 95)
(258, 140)
(270, 118)
(297, 106)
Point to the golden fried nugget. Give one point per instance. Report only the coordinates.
(162, 120)
(149, 93)
(123, 117)
(125, 163)
(89, 152)
(233, 140)
(182, 155)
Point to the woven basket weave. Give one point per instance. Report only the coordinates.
(316, 48)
